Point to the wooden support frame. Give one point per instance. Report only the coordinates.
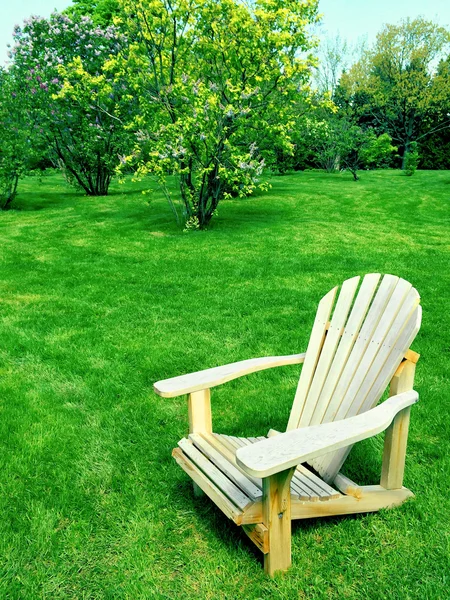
(372, 498)
(276, 508)
(267, 522)
(396, 438)
(259, 534)
(199, 409)
(200, 419)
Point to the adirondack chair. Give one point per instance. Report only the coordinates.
(263, 483)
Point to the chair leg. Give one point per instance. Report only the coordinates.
(200, 421)
(277, 519)
(396, 436)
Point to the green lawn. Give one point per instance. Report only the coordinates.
(103, 296)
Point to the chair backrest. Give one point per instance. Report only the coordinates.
(353, 354)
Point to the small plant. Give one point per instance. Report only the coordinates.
(192, 224)
(412, 159)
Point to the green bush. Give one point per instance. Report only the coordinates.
(412, 159)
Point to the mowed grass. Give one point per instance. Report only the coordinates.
(103, 296)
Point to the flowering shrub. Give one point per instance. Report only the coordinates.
(78, 109)
(216, 81)
(16, 151)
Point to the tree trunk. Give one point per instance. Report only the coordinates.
(405, 154)
(10, 194)
(408, 140)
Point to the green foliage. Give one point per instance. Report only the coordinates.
(16, 152)
(79, 109)
(377, 151)
(338, 143)
(394, 88)
(435, 151)
(363, 149)
(102, 12)
(412, 159)
(217, 83)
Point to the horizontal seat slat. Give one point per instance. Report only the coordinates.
(325, 491)
(226, 467)
(216, 495)
(298, 488)
(222, 444)
(222, 482)
(307, 492)
(305, 485)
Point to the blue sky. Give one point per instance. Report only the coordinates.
(352, 18)
(13, 12)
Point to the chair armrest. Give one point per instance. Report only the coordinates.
(202, 380)
(289, 449)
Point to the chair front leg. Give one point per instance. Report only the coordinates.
(396, 437)
(277, 519)
(200, 419)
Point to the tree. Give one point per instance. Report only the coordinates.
(16, 151)
(412, 160)
(392, 88)
(215, 81)
(435, 149)
(338, 143)
(361, 148)
(102, 12)
(80, 110)
(333, 56)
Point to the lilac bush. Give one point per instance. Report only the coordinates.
(79, 108)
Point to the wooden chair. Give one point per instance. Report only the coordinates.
(263, 483)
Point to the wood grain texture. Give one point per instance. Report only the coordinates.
(205, 484)
(199, 412)
(396, 438)
(316, 339)
(304, 484)
(227, 467)
(259, 534)
(208, 378)
(277, 518)
(333, 337)
(373, 498)
(294, 447)
(347, 486)
(363, 338)
(349, 336)
(386, 373)
(217, 478)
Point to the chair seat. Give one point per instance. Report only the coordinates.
(211, 458)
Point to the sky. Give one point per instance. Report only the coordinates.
(13, 12)
(353, 19)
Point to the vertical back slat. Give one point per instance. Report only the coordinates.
(349, 337)
(312, 357)
(376, 340)
(327, 354)
(346, 372)
(396, 354)
(332, 462)
(386, 353)
(329, 464)
(371, 321)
